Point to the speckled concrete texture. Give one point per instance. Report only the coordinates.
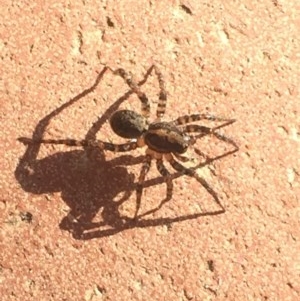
(66, 227)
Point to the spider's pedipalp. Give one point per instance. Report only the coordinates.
(182, 158)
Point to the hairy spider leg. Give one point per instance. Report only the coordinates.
(162, 99)
(185, 119)
(167, 177)
(124, 147)
(192, 173)
(139, 189)
(203, 130)
(136, 89)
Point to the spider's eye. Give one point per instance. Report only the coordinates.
(128, 124)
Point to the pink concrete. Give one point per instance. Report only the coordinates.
(237, 59)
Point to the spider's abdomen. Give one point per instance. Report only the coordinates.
(164, 137)
(128, 124)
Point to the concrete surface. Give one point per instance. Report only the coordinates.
(66, 232)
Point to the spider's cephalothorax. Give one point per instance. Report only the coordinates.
(162, 139)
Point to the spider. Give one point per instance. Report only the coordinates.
(163, 140)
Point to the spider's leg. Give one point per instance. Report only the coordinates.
(136, 89)
(139, 189)
(204, 130)
(185, 119)
(124, 147)
(162, 100)
(192, 173)
(195, 128)
(227, 140)
(167, 177)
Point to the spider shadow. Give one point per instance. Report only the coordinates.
(87, 181)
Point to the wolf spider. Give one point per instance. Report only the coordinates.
(164, 140)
